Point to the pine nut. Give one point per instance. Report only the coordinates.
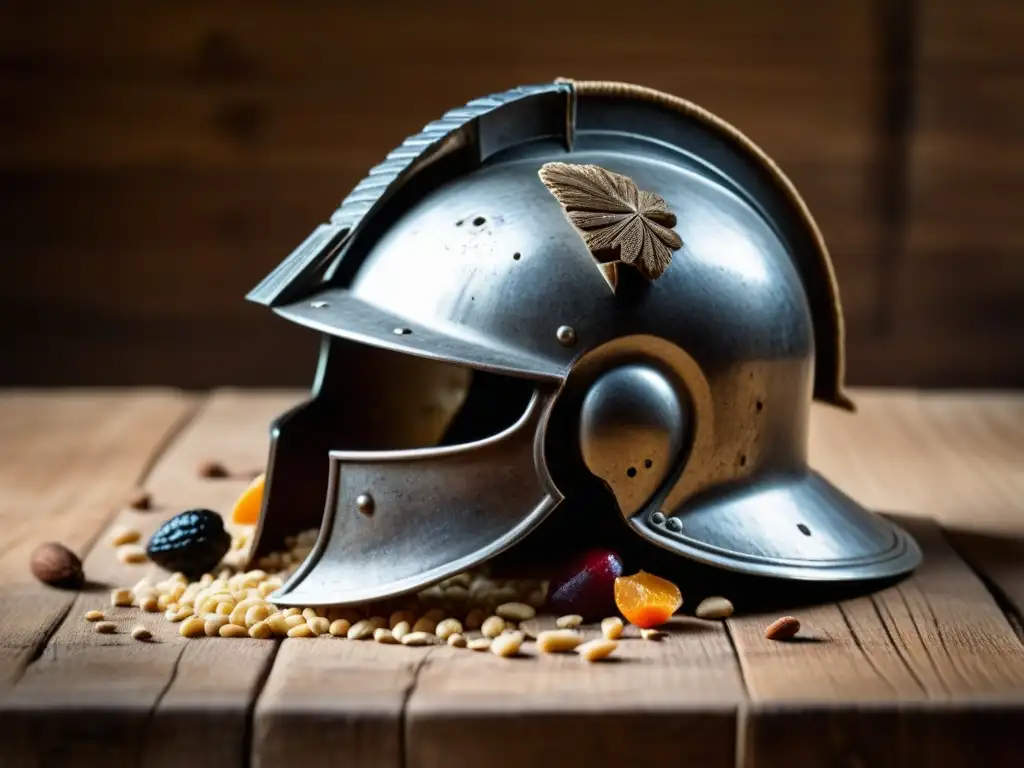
(479, 644)
(383, 635)
(261, 630)
(475, 619)
(292, 612)
(267, 588)
(177, 614)
(456, 594)
(515, 611)
(163, 601)
(558, 641)
(309, 613)
(139, 632)
(448, 627)
(418, 638)
(192, 627)
(238, 614)
(493, 626)
(206, 580)
(233, 630)
(782, 629)
(106, 627)
(425, 624)
(318, 625)
(150, 604)
(538, 598)
(597, 649)
(295, 620)
(256, 614)
(131, 554)
(179, 577)
(507, 645)
(714, 608)
(124, 535)
(360, 630)
(378, 622)
(302, 630)
(569, 622)
(278, 623)
(121, 598)
(339, 628)
(398, 617)
(94, 615)
(456, 640)
(213, 624)
(225, 609)
(401, 629)
(652, 634)
(611, 628)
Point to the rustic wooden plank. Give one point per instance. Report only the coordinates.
(67, 461)
(960, 276)
(660, 703)
(335, 697)
(931, 667)
(952, 457)
(109, 699)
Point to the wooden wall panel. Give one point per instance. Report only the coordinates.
(960, 315)
(155, 163)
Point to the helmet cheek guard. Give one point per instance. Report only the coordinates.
(634, 427)
(570, 281)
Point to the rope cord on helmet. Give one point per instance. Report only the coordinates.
(639, 92)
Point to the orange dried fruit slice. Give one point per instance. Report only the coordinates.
(247, 508)
(647, 600)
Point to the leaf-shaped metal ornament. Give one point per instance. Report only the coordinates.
(618, 222)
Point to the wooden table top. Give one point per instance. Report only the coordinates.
(928, 672)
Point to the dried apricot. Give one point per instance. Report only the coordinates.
(647, 600)
(247, 508)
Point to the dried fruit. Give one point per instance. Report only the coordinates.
(56, 565)
(714, 608)
(247, 508)
(647, 600)
(586, 585)
(782, 629)
(192, 542)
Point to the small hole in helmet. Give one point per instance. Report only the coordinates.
(648, 463)
(804, 529)
(631, 472)
(516, 256)
(760, 406)
(479, 221)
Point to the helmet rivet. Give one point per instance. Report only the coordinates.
(657, 518)
(364, 503)
(566, 335)
(674, 524)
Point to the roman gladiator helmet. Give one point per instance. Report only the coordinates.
(564, 284)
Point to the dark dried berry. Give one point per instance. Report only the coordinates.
(192, 542)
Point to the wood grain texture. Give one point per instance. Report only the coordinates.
(662, 703)
(109, 699)
(960, 278)
(67, 462)
(189, 148)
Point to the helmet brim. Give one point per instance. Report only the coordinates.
(793, 527)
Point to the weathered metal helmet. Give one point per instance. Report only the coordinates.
(560, 284)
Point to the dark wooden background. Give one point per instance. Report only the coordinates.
(157, 159)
